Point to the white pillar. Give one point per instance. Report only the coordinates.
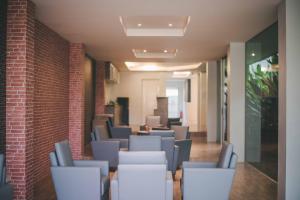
(289, 98)
(236, 98)
(212, 101)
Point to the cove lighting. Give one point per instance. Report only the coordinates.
(161, 66)
(181, 74)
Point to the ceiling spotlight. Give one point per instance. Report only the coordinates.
(252, 54)
(145, 51)
(165, 51)
(170, 25)
(139, 25)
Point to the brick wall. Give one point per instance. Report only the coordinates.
(100, 91)
(76, 99)
(3, 10)
(51, 95)
(19, 96)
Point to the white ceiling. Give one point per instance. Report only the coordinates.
(213, 24)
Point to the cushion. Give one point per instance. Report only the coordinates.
(225, 156)
(104, 184)
(63, 152)
(142, 157)
(144, 143)
(233, 161)
(101, 133)
(153, 121)
(181, 132)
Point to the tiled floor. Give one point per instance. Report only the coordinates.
(249, 184)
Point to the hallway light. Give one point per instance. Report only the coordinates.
(170, 25)
(139, 25)
(165, 51)
(253, 54)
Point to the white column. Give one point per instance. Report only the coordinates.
(289, 98)
(236, 98)
(212, 101)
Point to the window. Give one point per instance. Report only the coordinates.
(173, 102)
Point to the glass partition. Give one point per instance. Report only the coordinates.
(262, 101)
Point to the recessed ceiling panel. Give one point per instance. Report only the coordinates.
(154, 25)
(158, 53)
(161, 66)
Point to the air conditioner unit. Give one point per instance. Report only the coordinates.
(112, 74)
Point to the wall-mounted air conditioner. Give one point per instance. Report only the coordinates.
(112, 74)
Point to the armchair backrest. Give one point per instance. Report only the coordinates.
(162, 133)
(144, 143)
(181, 132)
(63, 153)
(2, 171)
(153, 121)
(145, 182)
(142, 157)
(100, 133)
(142, 175)
(225, 156)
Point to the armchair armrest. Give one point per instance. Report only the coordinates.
(175, 159)
(169, 186)
(123, 142)
(103, 165)
(77, 182)
(199, 165)
(115, 187)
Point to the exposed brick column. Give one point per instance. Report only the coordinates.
(19, 97)
(76, 99)
(100, 92)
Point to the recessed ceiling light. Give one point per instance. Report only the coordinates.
(145, 51)
(165, 51)
(170, 25)
(252, 54)
(139, 25)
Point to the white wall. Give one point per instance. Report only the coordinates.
(236, 100)
(212, 101)
(202, 101)
(192, 107)
(289, 120)
(131, 86)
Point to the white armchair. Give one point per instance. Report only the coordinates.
(204, 180)
(142, 175)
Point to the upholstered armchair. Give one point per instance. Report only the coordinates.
(78, 179)
(101, 134)
(204, 180)
(142, 175)
(122, 132)
(105, 148)
(6, 190)
(157, 143)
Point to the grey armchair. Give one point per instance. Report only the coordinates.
(6, 190)
(78, 179)
(209, 180)
(105, 148)
(184, 151)
(157, 143)
(118, 132)
(142, 175)
(101, 134)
